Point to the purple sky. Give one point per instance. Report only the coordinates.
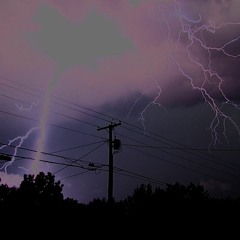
(169, 67)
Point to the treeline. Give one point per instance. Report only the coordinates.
(42, 192)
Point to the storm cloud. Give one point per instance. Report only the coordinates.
(108, 54)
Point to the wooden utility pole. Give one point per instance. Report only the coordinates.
(110, 128)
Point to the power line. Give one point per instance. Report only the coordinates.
(60, 104)
(72, 164)
(50, 124)
(42, 160)
(74, 175)
(188, 150)
(79, 111)
(116, 170)
(58, 113)
(12, 98)
(76, 147)
(137, 176)
(53, 155)
(232, 167)
(174, 163)
(74, 161)
(181, 157)
(180, 148)
(122, 135)
(146, 145)
(185, 148)
(19, 83)
(111, 117)
(9, 86)
(76, 119)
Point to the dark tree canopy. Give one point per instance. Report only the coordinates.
(172, 203)
(40, 190)
(34, 191)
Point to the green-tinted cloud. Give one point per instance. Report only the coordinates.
(97, 36)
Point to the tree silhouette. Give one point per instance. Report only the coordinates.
(196, 192)
(174, 204)
(41, 190)
(7, 195)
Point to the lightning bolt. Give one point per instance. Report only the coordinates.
(153, 102)
(29, 108)
(42, 128)
(191, 34)
(20, 140)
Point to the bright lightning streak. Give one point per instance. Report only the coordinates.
(21, 140)
(191, 36)
(32, 105)
(208, 73)
(153, 102)
(42, 131)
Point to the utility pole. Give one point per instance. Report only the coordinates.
(110, 128)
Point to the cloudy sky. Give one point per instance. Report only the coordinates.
(169, 70)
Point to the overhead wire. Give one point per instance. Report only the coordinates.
(76, 147)
(119, 171)
(131, 125)
(51, 124)
(181, 157)
(74, 175)
(184, 148)
(179, 165)
(56, 155)
(179, 148)
(57, 113)
(137, 175)
(76, 160)
(176, 155)
(189, 151)
(138, 141)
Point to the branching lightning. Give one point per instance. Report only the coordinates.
(41, 128)
(153, 102)
(190, 35)
(19, 139)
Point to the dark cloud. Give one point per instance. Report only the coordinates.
(148, 62)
